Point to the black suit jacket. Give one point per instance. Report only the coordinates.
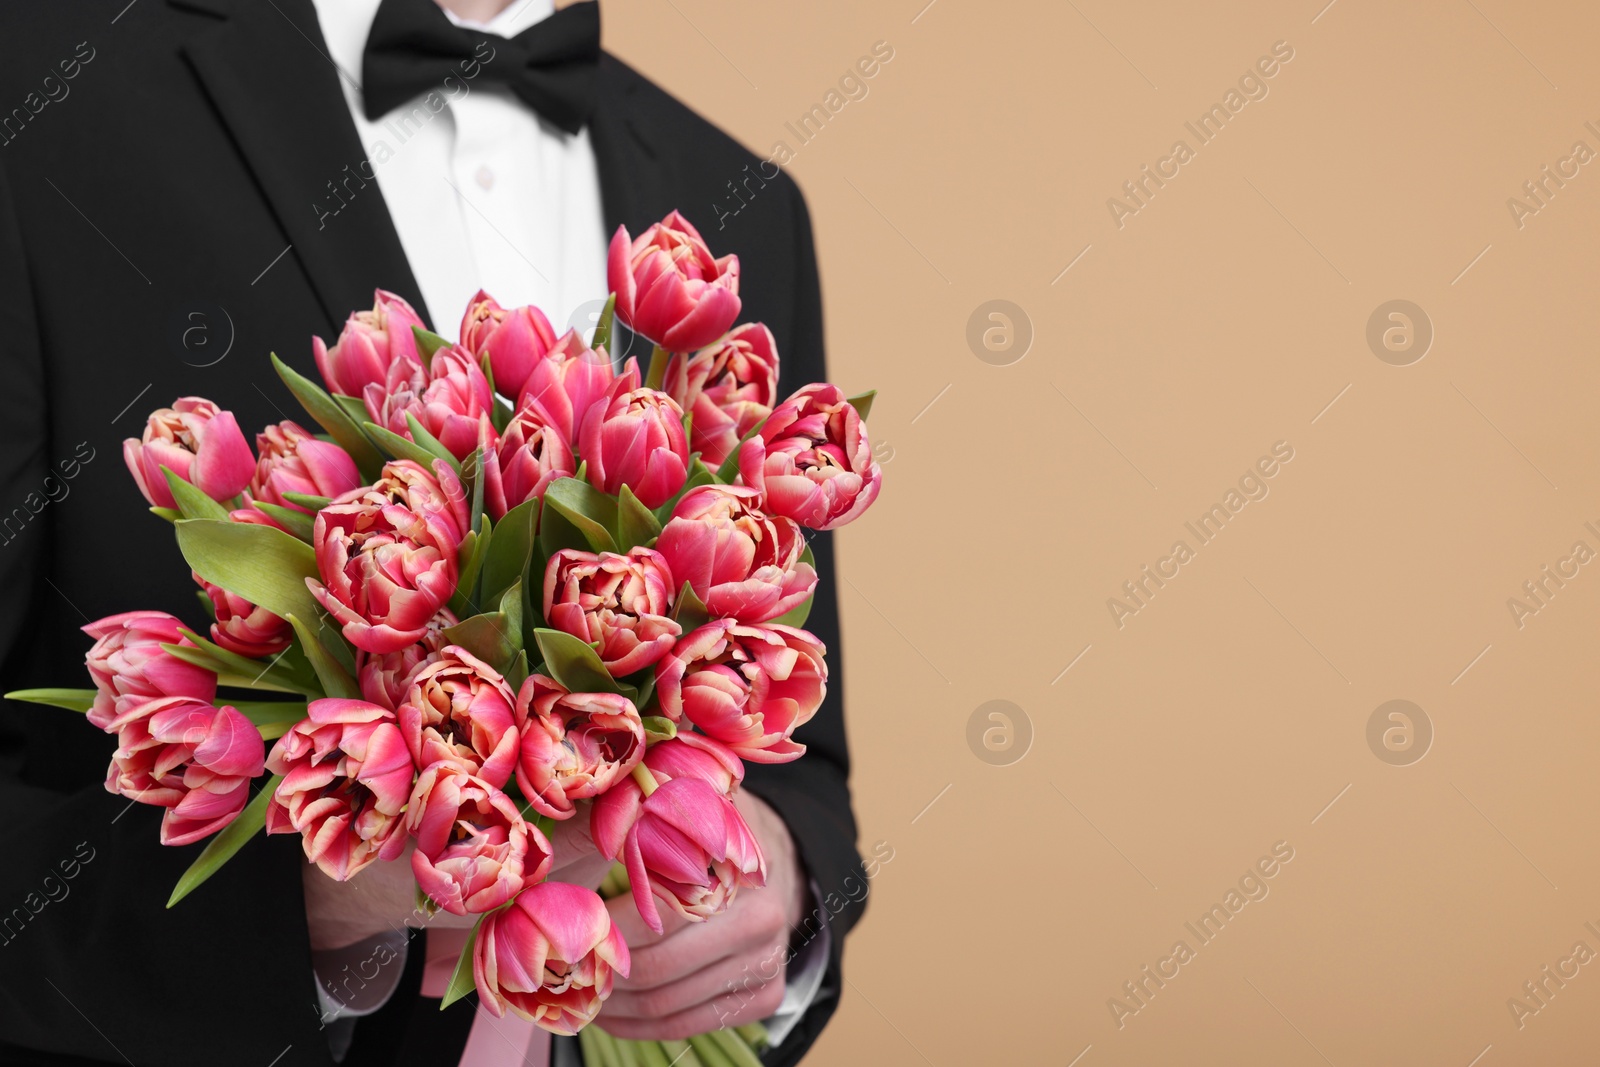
(183, 168)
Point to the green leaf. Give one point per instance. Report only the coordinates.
(427, 344)
(260, 563)
(192, 503)
(592, 512)
(656, 373)
(602, 328)
(313, 503)
(71, 699)
(502, 413)
(206, 604)
(556, 532)
(797, 615)
(336, 681)
(296, 522)
(519, 671)
(573, 663)
(170, 514)
(354, 406)
(863, 403)
(332, 416)
(495, 637)
(420, 434)
(229, 840)
(659, 728)
(729, 470)
(400, 448)
(264, 713)
(461, 982)
(636, 524)
(688, 610)
(699, 474)
(213, 657)
(507, 558)
(469, 559)
(472, 474)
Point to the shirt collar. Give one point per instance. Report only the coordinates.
(346, 23)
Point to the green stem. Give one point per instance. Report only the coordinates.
(658, 368)
(755, 1035)
(708, 1051)
(609, 1056)
(652, 1054)
(681, 1054)
(646, 780)
(626, 1056)
(732, 1045)
(589, 1045)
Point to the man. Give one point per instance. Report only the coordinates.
(186, 185)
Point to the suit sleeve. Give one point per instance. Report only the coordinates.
(93, 966)
(812, 794)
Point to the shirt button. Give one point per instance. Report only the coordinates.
(485, 177)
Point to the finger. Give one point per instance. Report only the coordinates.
(625, 914)
(697, 945)
(730, 1009)
(745, 973)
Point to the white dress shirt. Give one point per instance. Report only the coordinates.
(483, 192)
(487, 195)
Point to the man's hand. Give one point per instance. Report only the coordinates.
(680, 981)
(383, 897)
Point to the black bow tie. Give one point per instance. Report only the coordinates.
(413, 48)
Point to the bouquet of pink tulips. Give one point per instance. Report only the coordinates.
(509, 585)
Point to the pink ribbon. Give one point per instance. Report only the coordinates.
(508, 1042)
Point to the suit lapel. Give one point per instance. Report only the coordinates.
(633, 174)
(287, 114)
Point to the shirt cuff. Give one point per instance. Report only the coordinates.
(359, 979)
(803, 977)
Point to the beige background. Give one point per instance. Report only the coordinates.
(1222, 318)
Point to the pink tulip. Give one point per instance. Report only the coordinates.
(436, 494)
(549, 957)
(243, 627)
(728, 387)
(741, 563)
(371, 342)
(812, 461)
(386, 567)
(346, 779)
(386, 678)
(451, 399)
(669, 288)
(635, 437)
(293, 461)
(568, 381)
(692, 755)
(531, 454)
(514, 339)
(129, 666)
(458, 709)
(473, 847)
(197, 441)
(749, 687)
(686, 843)
(189, 757)
(574, 745)
(620, 602)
